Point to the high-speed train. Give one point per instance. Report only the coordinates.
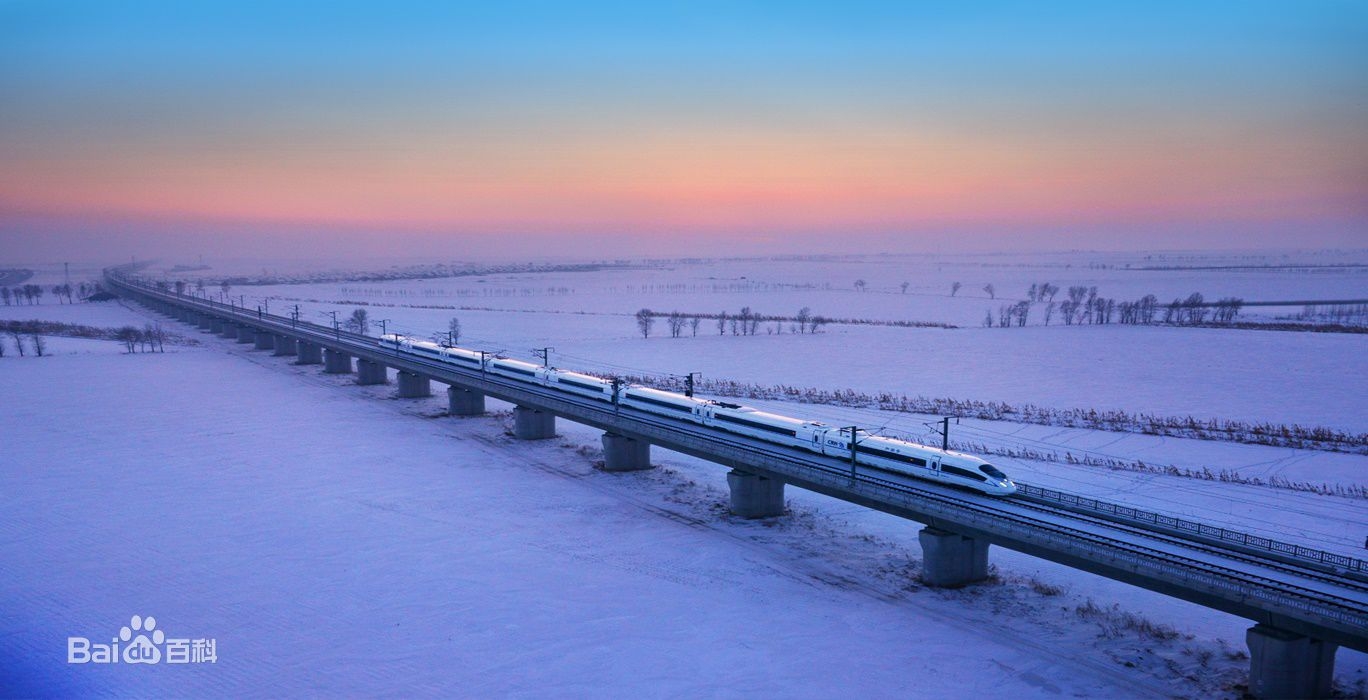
(888, 454)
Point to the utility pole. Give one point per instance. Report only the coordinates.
(617, 387)
(336, 330)
(689, 383)
(543, 353)
(484, 358)
(294, 316)
(382, 323)
(853, 431)
(945, 433)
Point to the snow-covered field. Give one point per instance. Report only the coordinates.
(334, 540)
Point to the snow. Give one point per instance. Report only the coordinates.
(1169, 371)
(338, 541)
(327, 562)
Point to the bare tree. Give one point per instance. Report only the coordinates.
(804, 318)
(817, 322)
(225, 287)
(359, 322)
(1022, 310)
(154, 337)
(1227, 309)
(693, 324)
(14, 330)
(954, 288)
(860, 285)
(645, 319)
(904, 286)
(992, 292)
(1149, 304)
(675, 321)
(722, 323)
(988, 319)
(1196, 313)
(1049, 311)
(453, 331)
(128, 335)
(180, 287)
(5, 294)
(39, 344)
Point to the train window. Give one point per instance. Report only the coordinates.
(658, 402)
(889, 455)
(992, 471)
(582, 385)
(963, 473)
(757, 426)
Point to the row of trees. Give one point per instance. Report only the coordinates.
(149, 338)
(744, 322)
(33, 293)
(18, 336)
(1084, 305)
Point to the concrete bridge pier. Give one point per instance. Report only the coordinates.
(336, 362)
(624, 454)
(246, 334)
(463, 402)
(227, 329)
(754, 496)
(531, 424)
(206, 323)
(951, 560)
(369, 372)
(414, 386)
(265, 341)
(309, 353)
(1288, 665)
(285, 345)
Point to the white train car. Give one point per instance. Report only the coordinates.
(426, 348)
(517, 369)
(665, 403)
(581, 384)
(921, 461)
(887, 454)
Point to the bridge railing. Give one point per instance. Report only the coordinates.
(1116, 510)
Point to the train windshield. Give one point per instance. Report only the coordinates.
(992, 471)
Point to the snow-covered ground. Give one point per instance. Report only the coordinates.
(1281, 377)
(334, 540)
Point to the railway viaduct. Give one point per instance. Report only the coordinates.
(1304, 603)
